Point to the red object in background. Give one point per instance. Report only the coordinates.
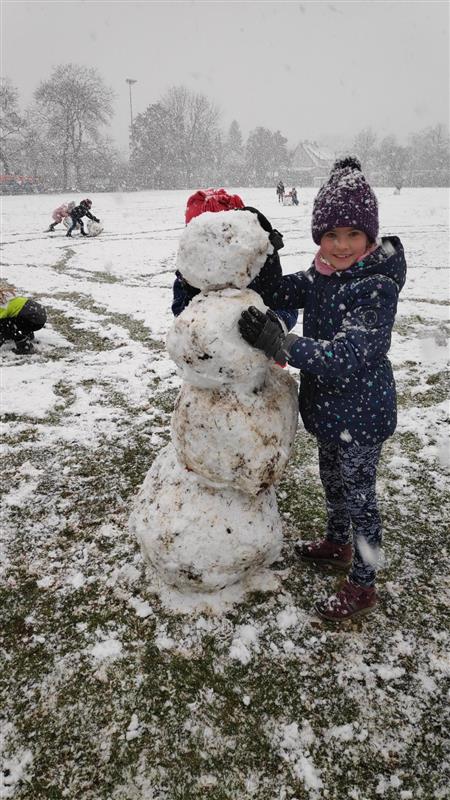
(211, 200)
(19, 184)
(17, 179)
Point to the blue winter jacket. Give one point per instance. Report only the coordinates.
(267, 279)
(347, 388)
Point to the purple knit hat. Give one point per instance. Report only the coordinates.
(346, 201)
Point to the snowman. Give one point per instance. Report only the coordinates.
(206, 516)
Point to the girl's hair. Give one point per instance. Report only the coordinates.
(7, 290)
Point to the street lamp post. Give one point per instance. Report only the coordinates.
(130, 82)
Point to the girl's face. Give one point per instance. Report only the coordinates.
(342, 247)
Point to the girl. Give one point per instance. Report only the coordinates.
(60, 214)
(347, 390)
(19, 318)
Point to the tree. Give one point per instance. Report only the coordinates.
(75, 103)
(13, 127)
(266, 156)
(152, 162)
(364, 146)
(38, 152)
(281, 157)
(105, 166)
(393, 160)
(196, 120)
(430, 153)
(176, 141)
(217, 175)
(234, 138)
(233, 166)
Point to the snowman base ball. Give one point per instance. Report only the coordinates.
(199, 538)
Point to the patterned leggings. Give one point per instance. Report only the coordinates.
(348, 475)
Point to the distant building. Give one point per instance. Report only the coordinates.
(19, 184)
(311, 164)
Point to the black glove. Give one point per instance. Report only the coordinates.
(95, 219)
(263, 331)
(276, 239)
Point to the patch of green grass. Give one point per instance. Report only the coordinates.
(136, 329)
(165, 400)
(407, 324)
(64, 260)
(83, 338)
(440, 383)
(410, 442)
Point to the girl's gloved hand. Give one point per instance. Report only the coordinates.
(263, 331)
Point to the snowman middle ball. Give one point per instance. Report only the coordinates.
(242, 441)
(220, 250)
(205, 343)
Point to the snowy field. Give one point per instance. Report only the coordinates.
(108, 694)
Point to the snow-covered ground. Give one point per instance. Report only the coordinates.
(108, 694)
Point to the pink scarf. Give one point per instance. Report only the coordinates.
(323, 266)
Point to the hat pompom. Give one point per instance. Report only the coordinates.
(348, 161)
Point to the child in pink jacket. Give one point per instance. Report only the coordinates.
(59, 214)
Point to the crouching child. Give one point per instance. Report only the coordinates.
(20, 317)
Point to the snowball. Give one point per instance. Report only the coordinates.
(244, 642)
(218, 250)
(200, 538)
(205, 343)
(94, 228)
(234, 440)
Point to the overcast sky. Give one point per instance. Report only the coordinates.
(314, 70)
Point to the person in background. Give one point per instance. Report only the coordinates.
(77, 214)
(294, 196)
(219, 200)
(59, 214)
(280, 191)
(347, 388)
(20, 317)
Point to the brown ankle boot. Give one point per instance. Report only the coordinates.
(351, 601)
(325, 552)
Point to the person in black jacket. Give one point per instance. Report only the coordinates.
(220, 201)
(280, 191)
(347, 389)
(77, 214)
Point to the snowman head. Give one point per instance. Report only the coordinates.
(219, 251)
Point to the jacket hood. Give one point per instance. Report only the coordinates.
(388, 260)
